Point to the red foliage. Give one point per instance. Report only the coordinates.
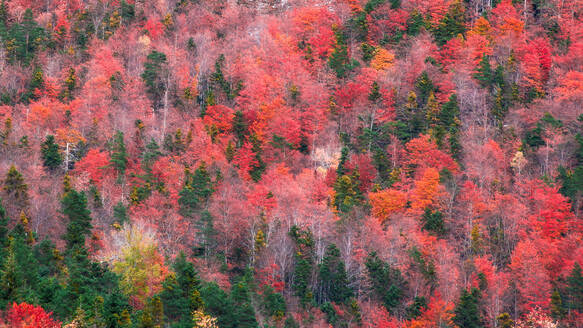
(25, 315)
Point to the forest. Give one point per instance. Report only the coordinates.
(291, 163)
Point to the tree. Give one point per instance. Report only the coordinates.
(339, 60)
(15, 191)
(180, 294)
(196, 191)
(386, 282)
(119, 156)
(467, 313)
(25, 315)
(155, 69)
(433, 221)
(574, 289)
(386, 202)
(484, 73)
(451, 25)
(50, 154)
(137, 261)
(74, 207)
(333, 277)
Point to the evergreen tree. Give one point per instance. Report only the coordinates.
(3, 229)
(20, 270)
(120, 213)
(15, 191)
(386, 282)
(274, 303)
(467, 313)
(452, 24)
(484, 72)
(243, 309)
(196, 190)
(574, 288)
(339, 60)
(153, 314)
(302, 275)
(218, 304)
(24, 39)
(119, 155)
(74, 207)
(239, 128)
(557, 310)
(206, 233)
(50, 154)
(181, 295)
(425, 88)
(150, 155)
(154, 74)
(333, 277)
(433, 221)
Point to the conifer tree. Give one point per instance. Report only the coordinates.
(575, 288)
(50, 154)
(467, 313)
(119, 155)
(74, 207)
(386, 282)
(484, 72)
(333, 277)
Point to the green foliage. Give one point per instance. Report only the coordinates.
(181, 293)
(239, 128)
(451, 25)
(206, 235)
(387, 284)
(218, 304)
(333, 280)
(196, 191)
(15, 189)
(22, 40)
(415, 23)
(120, 213)
(50, 154)
(574, 289)
(339, 61)
(273, 303)
(119, 155)
(467, 312)
(484, 73)
(154, 76)
(425, 88)
(368, 51)
(347, 192)
(424, 265)
(416, 307)
(374, 4)
(74, 207)
(304, 260)
(433, 222)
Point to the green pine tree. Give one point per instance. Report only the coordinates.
(386, 282)
(452, 24)
(119, 155)
(155, 70)
(467, 312)
(74, 207)
(50, 154)
(484, 72)
(574, 289)
(333, 279)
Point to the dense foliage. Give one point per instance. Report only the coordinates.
(306, 163)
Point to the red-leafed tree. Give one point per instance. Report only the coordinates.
(25, 315)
